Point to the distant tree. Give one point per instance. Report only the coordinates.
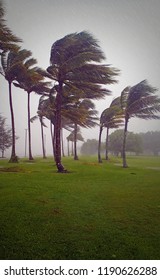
(90, 147)
(138, 101)
(5, 136)
(151, 142)
(75, 135)
(133, 142)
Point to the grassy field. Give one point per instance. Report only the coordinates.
(97, 211)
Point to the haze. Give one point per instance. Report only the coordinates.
(128, 32)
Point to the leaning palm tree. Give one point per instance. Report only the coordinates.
(12, 66)
(75, 62)
(80, 112)
(110, 118)
(31, 81)
(138, 101)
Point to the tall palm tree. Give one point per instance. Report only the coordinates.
(138, 101)
(12, 66)
(42, 124)
(110, 118)
(73, 64)
(31, 81)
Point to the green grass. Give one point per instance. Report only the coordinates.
(97, 211)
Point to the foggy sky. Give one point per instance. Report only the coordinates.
(128, 32)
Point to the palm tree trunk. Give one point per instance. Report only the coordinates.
(62, 142)
(107, 138)
(43, 146)
(52, 138)
(75, 142)
(13, 157)
(68, 148)
(72, 149)
(3, 153)
(29, 129)
(99, 145)
(57, 130)
(124, 144)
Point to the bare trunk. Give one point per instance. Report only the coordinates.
(43, 145)
(57, 130)
(107, 138)
(52, 138)
(62, 142)
(2, 153)
(75, 142)
(13, 157)
(68, 148)
(99, 145)
(29, 129)
(72, 149)
(124, 144)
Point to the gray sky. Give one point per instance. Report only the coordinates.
(128, 32)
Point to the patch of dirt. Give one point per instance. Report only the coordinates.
(13, 169)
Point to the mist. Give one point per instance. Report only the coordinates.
(128, 32)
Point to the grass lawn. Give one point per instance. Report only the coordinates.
(97, 211)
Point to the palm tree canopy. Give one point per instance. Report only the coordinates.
(12, 63)
(75, 61)
(29, 78)
(112, 116)
(140, 101)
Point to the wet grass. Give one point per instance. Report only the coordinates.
(97, 211)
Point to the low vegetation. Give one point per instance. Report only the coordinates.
(97, 211)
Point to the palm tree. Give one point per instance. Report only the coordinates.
(73, 64)
(7, 39)
(12, 66)
(31, 81)
(71, 138)
(42, 124)
(110, 118)
(138, 101)
(79, 112)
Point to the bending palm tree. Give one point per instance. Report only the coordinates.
(138, 101)
(31, 81)
(73, 64)
(110, 118)
(12, 65)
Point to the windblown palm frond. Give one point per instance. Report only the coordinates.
(142, 101)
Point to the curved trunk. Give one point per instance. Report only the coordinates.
(99, 145)
(107, 138)
(75, 142)
(13, 157)
(29, 129)
(57, 130)
(124, 144)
